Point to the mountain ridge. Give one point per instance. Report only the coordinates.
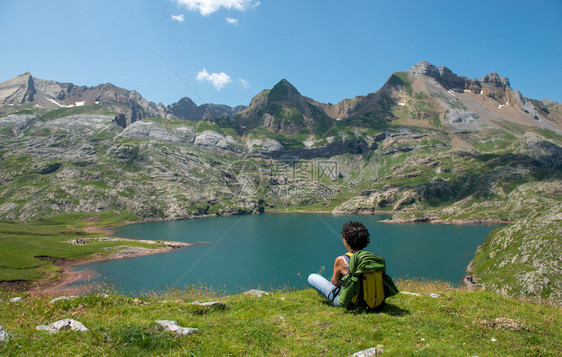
(458, 103)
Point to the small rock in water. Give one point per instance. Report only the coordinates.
(257, 293)
(60, 298)
(175, 328)
(16, 299)
(4, 335)
(368, 352)
(66, 324)
(209, 304)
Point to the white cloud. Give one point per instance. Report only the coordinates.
(244, 82)
(207, 7)
(232, 21)
(218, 80)
(178, 18)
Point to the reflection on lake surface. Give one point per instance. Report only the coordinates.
(275, 250)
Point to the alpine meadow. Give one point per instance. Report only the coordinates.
(428, 146)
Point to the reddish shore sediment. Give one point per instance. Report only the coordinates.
(68, 276)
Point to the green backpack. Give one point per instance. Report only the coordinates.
(367, 285)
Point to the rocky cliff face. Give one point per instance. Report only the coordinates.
(185, 108)
(26, 91)
(436, 98)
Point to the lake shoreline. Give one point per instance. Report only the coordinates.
(68, 276)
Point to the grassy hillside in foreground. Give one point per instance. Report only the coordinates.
(295, 323)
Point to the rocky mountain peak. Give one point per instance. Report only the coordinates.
(283, 91)
(450, 80)
(496, 80)
(17, 90)
(442, 75)
(283, 109)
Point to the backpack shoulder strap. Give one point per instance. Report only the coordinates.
(347, 258)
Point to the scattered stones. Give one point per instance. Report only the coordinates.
(4, 335)
(60, 298)
(175, 328)
(140, 302)
(79, 241)
(410, 293)
(257, 293)
(209, 304)
(501, 323)
(368, 352)
(66, 324)
(16, 299)
(433, 295)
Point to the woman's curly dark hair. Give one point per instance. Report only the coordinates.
(355, 234)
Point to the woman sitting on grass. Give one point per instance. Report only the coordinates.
(365, 287)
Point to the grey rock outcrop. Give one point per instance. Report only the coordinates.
(175, 328)
(273, 149)
(83, 124)
(14, 125)
(546, 153)
(153, 131)
(463, 119)
(210, 138)
(264, 145)
(257, 293)
(368, 352)
(66, 324)
(219, 304)
(396, 148)
(4, 335)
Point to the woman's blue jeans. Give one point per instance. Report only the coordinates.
(324, 288)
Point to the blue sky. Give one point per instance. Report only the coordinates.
(229, 50)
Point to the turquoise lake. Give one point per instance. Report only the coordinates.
(271, 251)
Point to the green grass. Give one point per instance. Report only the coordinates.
(292, 141)
(401, 78)
(28, 251)
(171, 122)
(25, 111)
(552, 135)
(293, 323)
(207, 125)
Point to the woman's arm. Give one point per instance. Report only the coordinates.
(339, 267)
